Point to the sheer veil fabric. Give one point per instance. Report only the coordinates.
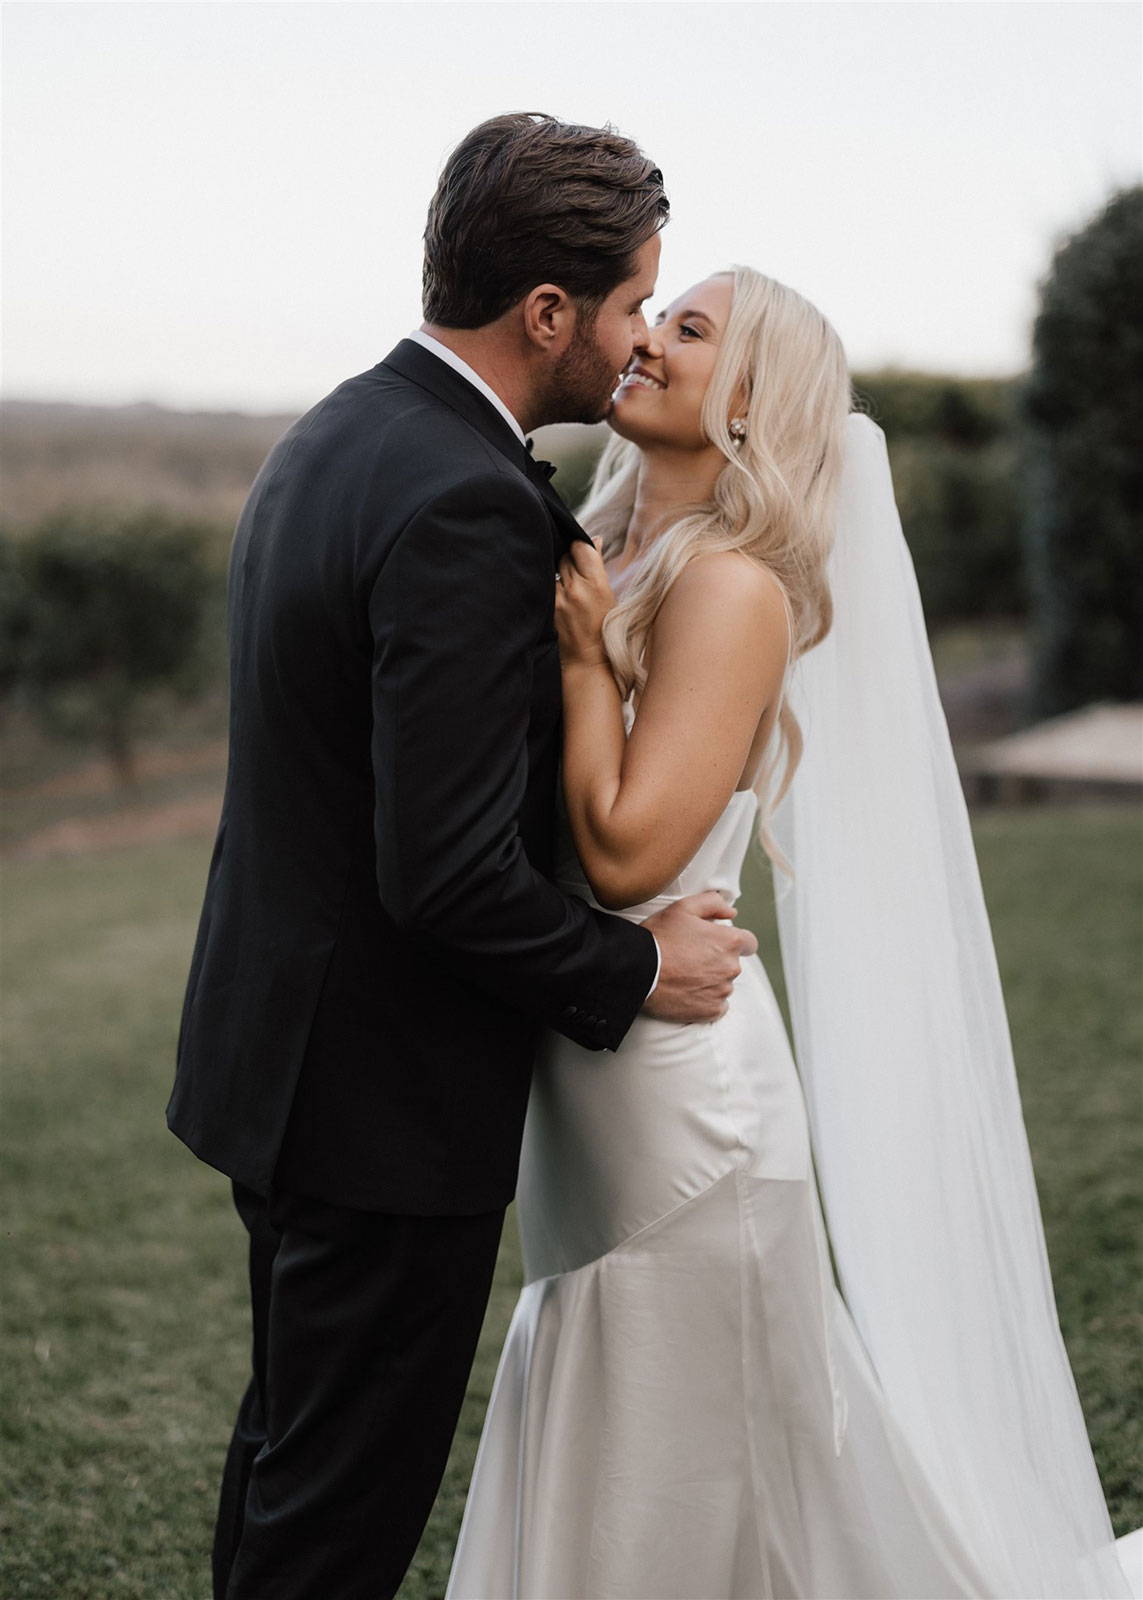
(903, 1050)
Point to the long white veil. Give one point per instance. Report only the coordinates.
(902, 1045)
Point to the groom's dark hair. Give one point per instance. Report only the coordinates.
(525, 199)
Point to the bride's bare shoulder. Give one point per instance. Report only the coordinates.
(729, 590)
(725, 572)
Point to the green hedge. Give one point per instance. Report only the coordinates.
(953, 447)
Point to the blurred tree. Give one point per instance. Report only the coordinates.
(14, 616)
(113, 611)
(1083, 410)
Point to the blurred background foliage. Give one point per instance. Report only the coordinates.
(1082, 409)
(1020, 499)
(99, 613)
(954, 447)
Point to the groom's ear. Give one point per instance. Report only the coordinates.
(548, 318)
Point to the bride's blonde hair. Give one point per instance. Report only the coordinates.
(774, 500)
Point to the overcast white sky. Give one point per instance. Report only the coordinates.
(220, 204)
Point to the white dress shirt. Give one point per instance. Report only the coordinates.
(451, 359)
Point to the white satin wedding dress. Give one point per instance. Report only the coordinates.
(683, 1407)
(686, 1408)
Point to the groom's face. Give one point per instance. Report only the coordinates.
(586, 374)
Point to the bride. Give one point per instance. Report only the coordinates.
(688, 1403)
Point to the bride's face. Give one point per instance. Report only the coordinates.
(659, 401)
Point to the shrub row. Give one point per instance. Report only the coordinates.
(100, 612)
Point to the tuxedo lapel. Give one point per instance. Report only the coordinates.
(427, 371)
(413, 362)
(567, 528)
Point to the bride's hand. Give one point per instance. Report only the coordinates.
(583, 599)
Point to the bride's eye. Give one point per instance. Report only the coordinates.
(687, 327)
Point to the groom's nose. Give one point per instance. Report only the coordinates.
(641, 330)
(649, 343)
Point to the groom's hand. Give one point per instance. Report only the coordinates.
(702, 956)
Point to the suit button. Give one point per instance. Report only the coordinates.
(571, 1011)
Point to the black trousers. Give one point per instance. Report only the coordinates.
(365, 1328)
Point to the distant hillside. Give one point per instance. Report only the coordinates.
(193, 463)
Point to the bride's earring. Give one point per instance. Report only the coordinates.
(738, 429)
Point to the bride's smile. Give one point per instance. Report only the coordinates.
(661, 406)
(659, 401)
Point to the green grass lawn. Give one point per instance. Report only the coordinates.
(125, 1321)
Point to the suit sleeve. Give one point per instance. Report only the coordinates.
(456, 614)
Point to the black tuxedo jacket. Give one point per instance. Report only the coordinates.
(380, 944)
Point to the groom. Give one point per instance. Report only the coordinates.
(381, 943)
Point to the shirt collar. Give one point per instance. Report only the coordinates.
(451, 359)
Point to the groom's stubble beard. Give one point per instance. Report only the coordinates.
(582, 381)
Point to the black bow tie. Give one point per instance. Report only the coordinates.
(545, 467)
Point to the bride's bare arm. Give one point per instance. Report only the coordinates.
(639, 808)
